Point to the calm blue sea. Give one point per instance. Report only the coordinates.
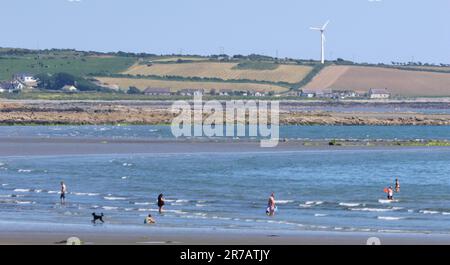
(331, 190)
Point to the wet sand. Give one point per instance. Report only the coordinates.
(42, 234)
(35, 146)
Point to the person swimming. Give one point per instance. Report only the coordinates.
(270, 211)
(149, 220)
(161, 202)
(397, 185)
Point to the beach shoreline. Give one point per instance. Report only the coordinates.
(39, 112)
(42, 146)
(42, 234)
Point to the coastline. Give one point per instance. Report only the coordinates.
(40, 146)
(38, 112)
(41, 234)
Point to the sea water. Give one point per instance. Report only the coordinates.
(326, 190)
(331, 190)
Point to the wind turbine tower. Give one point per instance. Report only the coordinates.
(322, 39)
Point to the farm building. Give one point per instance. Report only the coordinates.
(191, 92)
(379, 93)
(26, 79)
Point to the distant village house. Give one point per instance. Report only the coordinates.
(151, 91)
(27, 80)
(69, 88)
(379, 94)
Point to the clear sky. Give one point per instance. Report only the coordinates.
(360, 30)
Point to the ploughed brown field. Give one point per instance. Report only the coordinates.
(398, 82)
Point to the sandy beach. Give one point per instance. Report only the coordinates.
(57, 234)
(28, 146)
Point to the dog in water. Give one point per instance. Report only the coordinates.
(97, 217)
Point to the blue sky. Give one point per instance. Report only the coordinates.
(360, 30)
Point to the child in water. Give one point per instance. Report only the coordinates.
(149, 220)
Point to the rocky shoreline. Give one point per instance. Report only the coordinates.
(151, 113)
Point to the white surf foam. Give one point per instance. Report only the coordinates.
(313, 202)
(371, 209)
(114, 198)
(320, 215)
(22, 190)
(53, 191)
(349, 204)
(142, 203)
(386, 201)
(85, 194)
(305, 205)
(283, 201)
(109, 208)
(24, 202)
(389, 218)
(428, 212)
(24, 170)
(445, 213)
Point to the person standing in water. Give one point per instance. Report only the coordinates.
(62, 197)
(161, 202)
(271, 205)
(397, 185)
(390, 193)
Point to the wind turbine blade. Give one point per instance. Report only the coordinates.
(315, 28)
(325, 25)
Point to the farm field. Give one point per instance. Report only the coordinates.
(226, 71)
(398, 82)
(177, 85)
(176, 58)
(75, 65)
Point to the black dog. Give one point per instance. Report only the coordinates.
(97, 217)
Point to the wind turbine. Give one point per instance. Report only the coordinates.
(322, 38)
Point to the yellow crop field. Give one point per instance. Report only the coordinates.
(177, 85)
(283, 73)
(176, 58)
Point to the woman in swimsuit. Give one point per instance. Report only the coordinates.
(397, 185)
(271, 205)
(160, 202)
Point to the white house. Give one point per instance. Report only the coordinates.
(26, 79)
(191, 92)
(69, 88)
(225, 92)
(379, 93)
(307, 93)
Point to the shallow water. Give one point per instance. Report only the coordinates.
(332, 190)
(290, 132)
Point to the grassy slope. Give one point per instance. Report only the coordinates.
(75, 65)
